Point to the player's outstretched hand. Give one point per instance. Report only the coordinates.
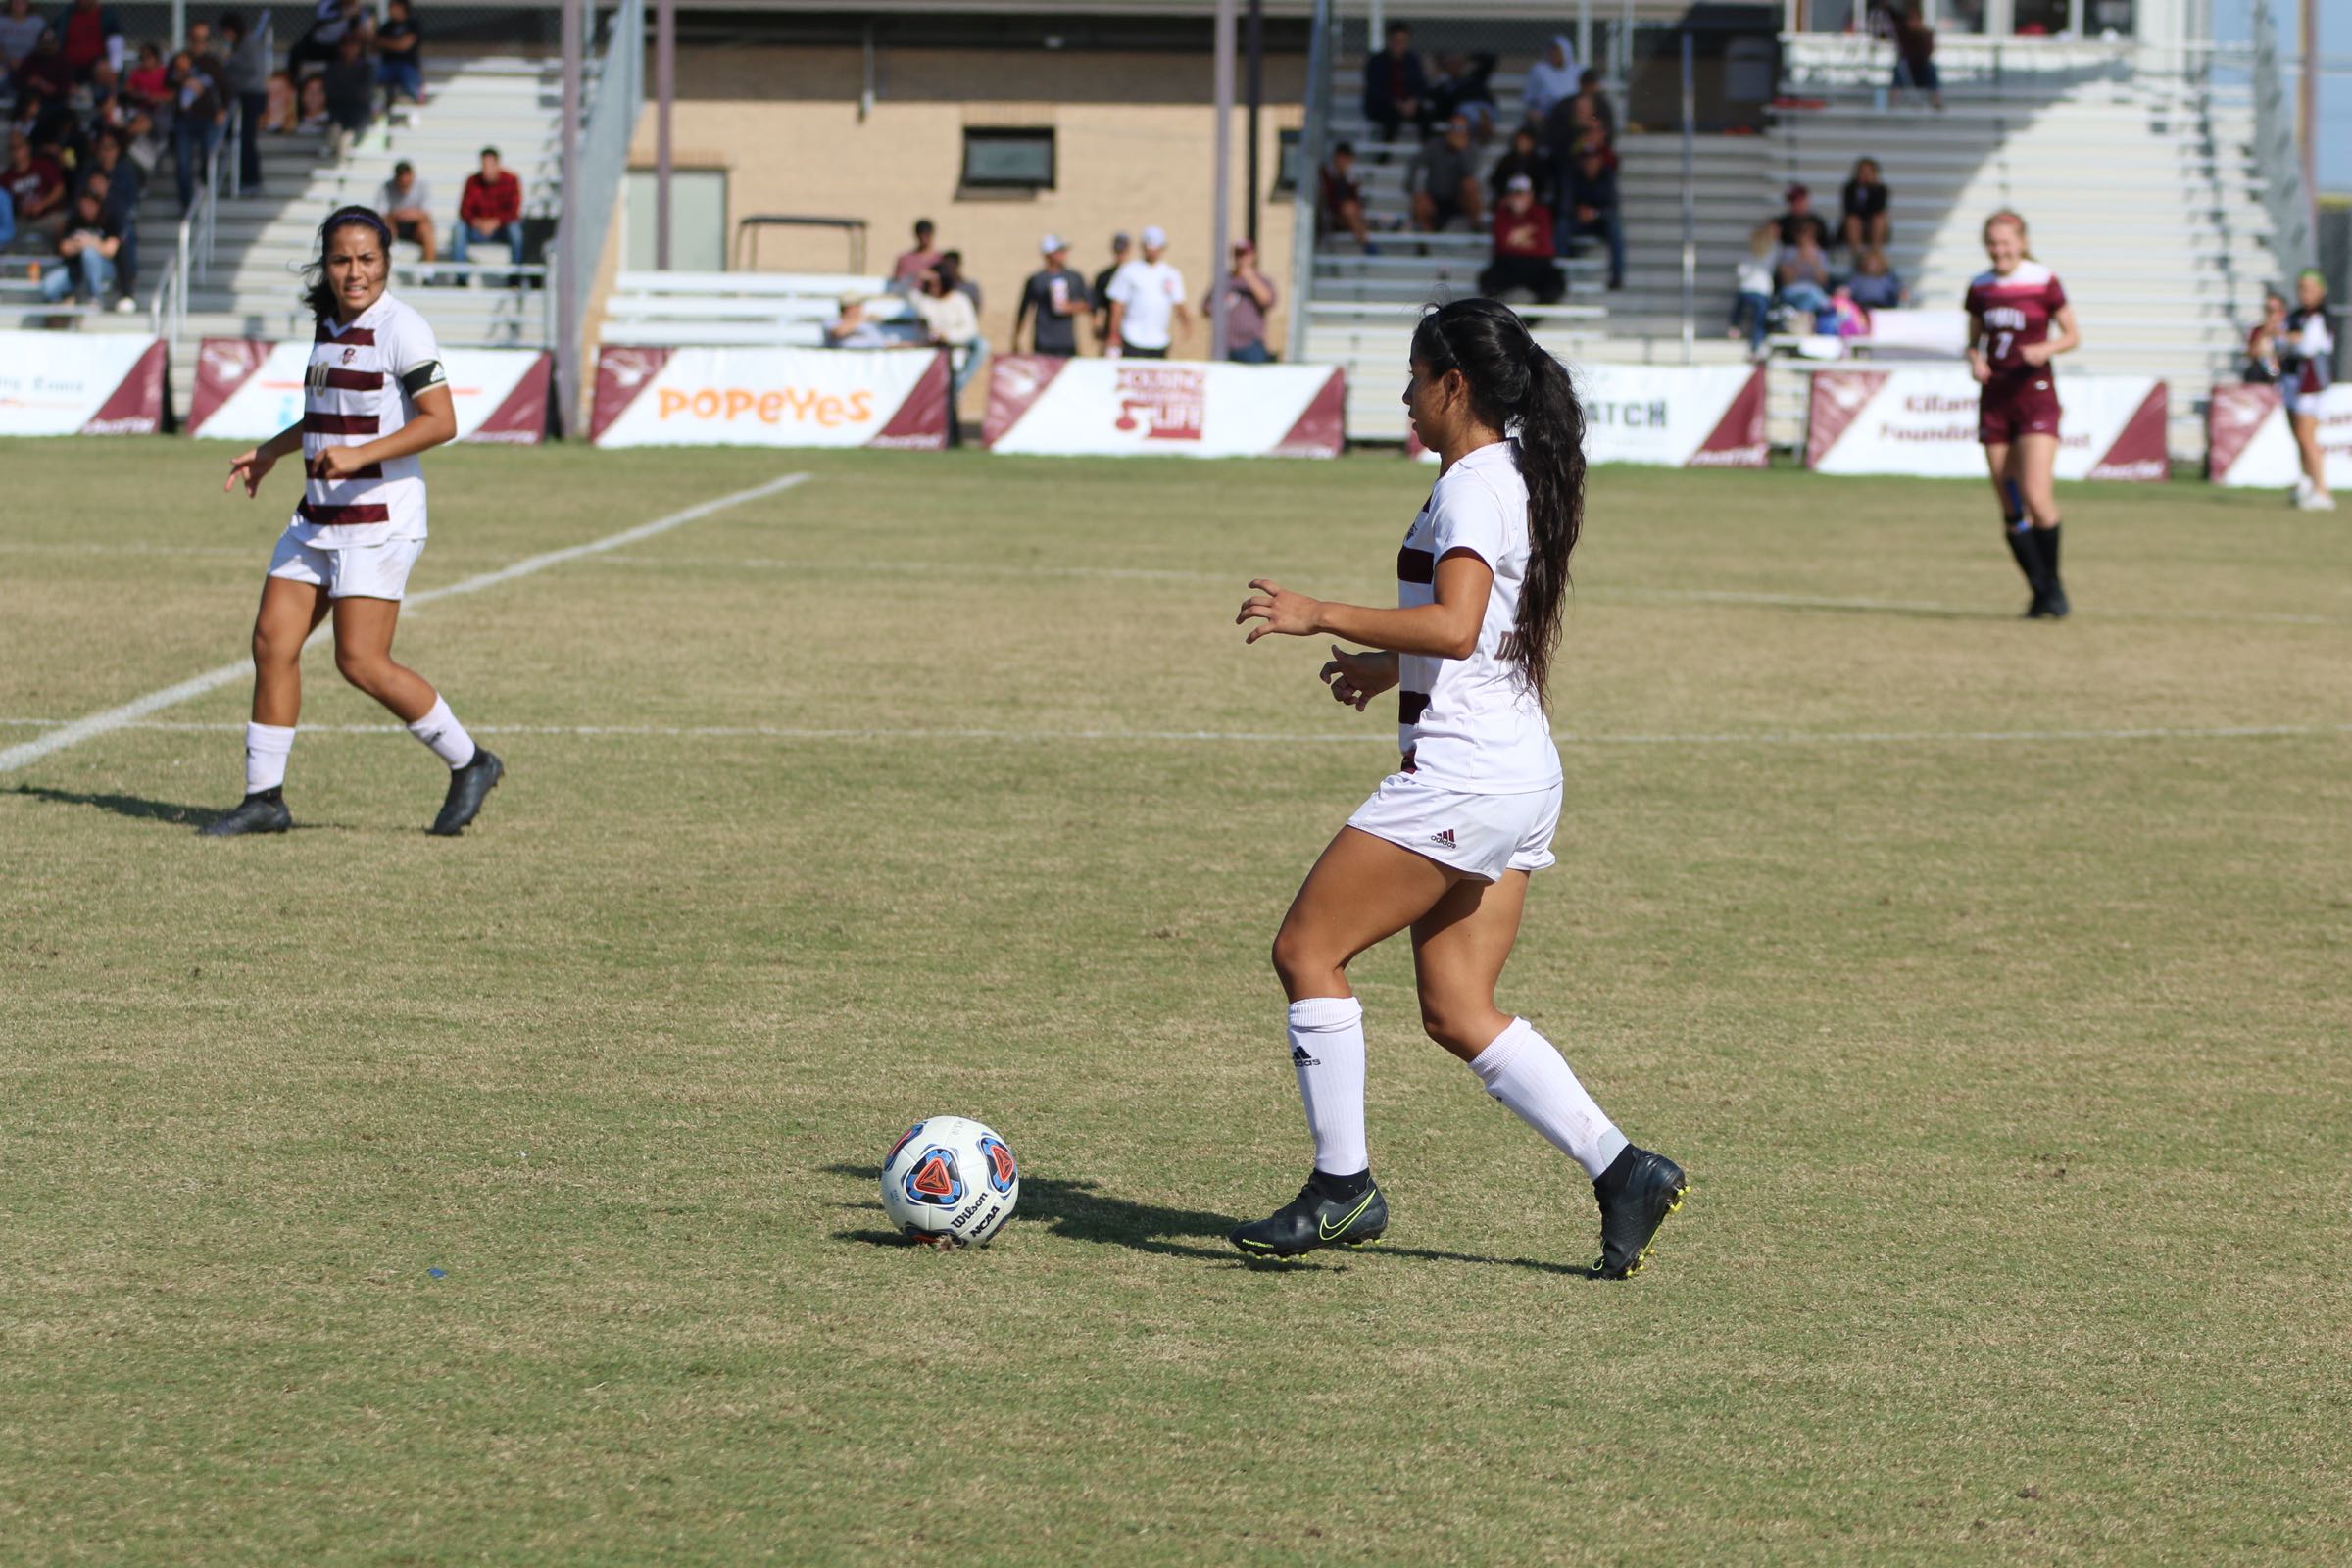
(1292, 615)
(1357, 678)
(251, 467)
(336, 463)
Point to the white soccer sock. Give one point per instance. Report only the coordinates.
(441, 730)
(1327, 1047)
(1522, 1069)
(266, 749)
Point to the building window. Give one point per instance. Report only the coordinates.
(1286, 163)
(1004, 158)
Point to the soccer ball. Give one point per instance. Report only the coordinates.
(950, 1181)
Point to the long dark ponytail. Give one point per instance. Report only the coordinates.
(317, 293)
(1514, 381)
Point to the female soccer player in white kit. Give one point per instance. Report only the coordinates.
(374, 398)
(1444, 847)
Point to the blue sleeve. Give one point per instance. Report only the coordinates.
(8, 219)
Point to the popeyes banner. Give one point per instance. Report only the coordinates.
(1038, 403)
(1924, 422)
(80, 383)
(248, 389)
(2247, 440)
(655, 397)
(1671, 416)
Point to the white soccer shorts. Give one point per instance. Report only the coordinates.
(1481, 835)
(355, 572)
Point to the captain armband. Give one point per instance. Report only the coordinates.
(424, 379)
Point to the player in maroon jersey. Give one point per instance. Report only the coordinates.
(2019, 321)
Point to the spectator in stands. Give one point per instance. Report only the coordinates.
(1245, 296)
(400, 55)
(1339, 200)
(1915, 55)
(1148, 312)
(911, 265)
(210, 57)
(196, 125)
(949, 320)
(279, 116)
(1800, 218)
(490, 208)
(1057, 297)
(1526, 158)
(85, 252)
(950, 267)
(852, 330)
(37, 188)
(1862, 217)
(350, 93)
(1803, 272)
(309, 105)
(2262, 365)
(1588, 204)
(1099, 290)
(88, 32)
(330, 21)
(108, 109)
(1396, 89)
(406, 203)
(1583, 117)
(1465, 86)
(123, 185)
(247, 80)
(44, 71)
(20, 31)
(1443, 180)
(1875, 285)
(148, 83)
(1524, 247)
(1757, 281)
(1551, 81)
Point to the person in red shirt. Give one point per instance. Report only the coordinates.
(1523, 247)
(37, 188)
(490, 209)
(84, 29)
(2019, 321)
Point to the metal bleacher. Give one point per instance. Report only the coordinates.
(743, 309)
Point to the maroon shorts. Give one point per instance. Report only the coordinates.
(2011, 406)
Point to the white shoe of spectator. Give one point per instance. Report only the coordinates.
(125, 305)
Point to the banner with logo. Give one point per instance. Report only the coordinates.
(699, 397)
(1040, 404)
(1924, 422)
(1671, 416)
(80, 383)
(248, 389)
(2247, 440)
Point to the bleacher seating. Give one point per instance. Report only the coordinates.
(765, 310)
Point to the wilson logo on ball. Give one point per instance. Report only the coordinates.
(933, 1178)
(1002, 1173)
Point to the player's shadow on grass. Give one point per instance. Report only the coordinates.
(134, 805)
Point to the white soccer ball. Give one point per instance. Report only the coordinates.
(950, 1181)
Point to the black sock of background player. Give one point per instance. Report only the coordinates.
(2026, 554)
(1343, 1189)
(2047, 540)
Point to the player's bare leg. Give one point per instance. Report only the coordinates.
(364, 629)
(289, 612)
(2311, 495)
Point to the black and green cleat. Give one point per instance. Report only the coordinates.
(1636, 1192)
(1313, 1220)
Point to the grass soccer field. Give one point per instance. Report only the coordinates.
(374, 1197)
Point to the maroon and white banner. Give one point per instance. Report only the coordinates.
(1671, 416)
(248, 389)
(1924, 422)
(1038, 403)
(701, 397)
(2247, 440)
(80, 383)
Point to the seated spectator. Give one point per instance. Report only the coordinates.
(1588, 205)
(1800, 218)
(37, 186)
(279, 116)
(20, 31)
(87, 33)
(149, 83)
(85, 252)
(108, 109)
(1757, 281)
(913, 262)
(2262, 365)
(1862, 222)
(1803, 274)
(1524, 248)
(350, 93)
(950, 267)
(400, 55)
(197, 122)
(330, 21)
(309, 105)
(1339, 200)
(1443, 180)
(1874, 285)
(44, 71)
(1395, 88)
(1915, 55)
(1526, 157)
(405, 204)
(490, 208)
(247, 83)
(1245, 296)
(1551, 79)
(109, 160)
(852, 330)
(1585, 115)
(1465, 87)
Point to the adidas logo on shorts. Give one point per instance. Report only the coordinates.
(1444, 839)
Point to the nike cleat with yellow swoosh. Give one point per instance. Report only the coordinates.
(1311, 1220)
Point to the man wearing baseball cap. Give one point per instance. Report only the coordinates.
(1056, 296)
(1146, 303)
(1246, 297)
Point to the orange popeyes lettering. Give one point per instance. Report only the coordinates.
(862, 405)
(801, 404)
(672, 402)
(706, 403)
(739, 403)
(771, 407)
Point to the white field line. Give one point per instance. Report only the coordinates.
(786, 732)
(130, 713)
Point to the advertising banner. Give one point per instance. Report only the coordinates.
(1924, 422)
(2247, 440)
(1163, 408)
(709, 397)
(248, 391)
(80, 383)
(1671, 416)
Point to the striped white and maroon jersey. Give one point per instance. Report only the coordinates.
(363, 383)
(2016, 311)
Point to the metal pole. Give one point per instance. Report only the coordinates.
(569, 259)
(665, 89)
(1690, 203)
(179, 25)
(1221, 227)
(1254, 86)
(1624, 51)
(2307, 107)
(1583, 34)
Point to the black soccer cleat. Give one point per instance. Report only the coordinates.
(262, 811)
(468, 787)
(1636, 1192)
(1311, 1220)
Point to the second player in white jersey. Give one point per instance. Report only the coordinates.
(1446, 846)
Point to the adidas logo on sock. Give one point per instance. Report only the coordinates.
(1442, 838)
(1300, 1058)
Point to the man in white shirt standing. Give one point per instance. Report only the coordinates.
(1146, 303)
